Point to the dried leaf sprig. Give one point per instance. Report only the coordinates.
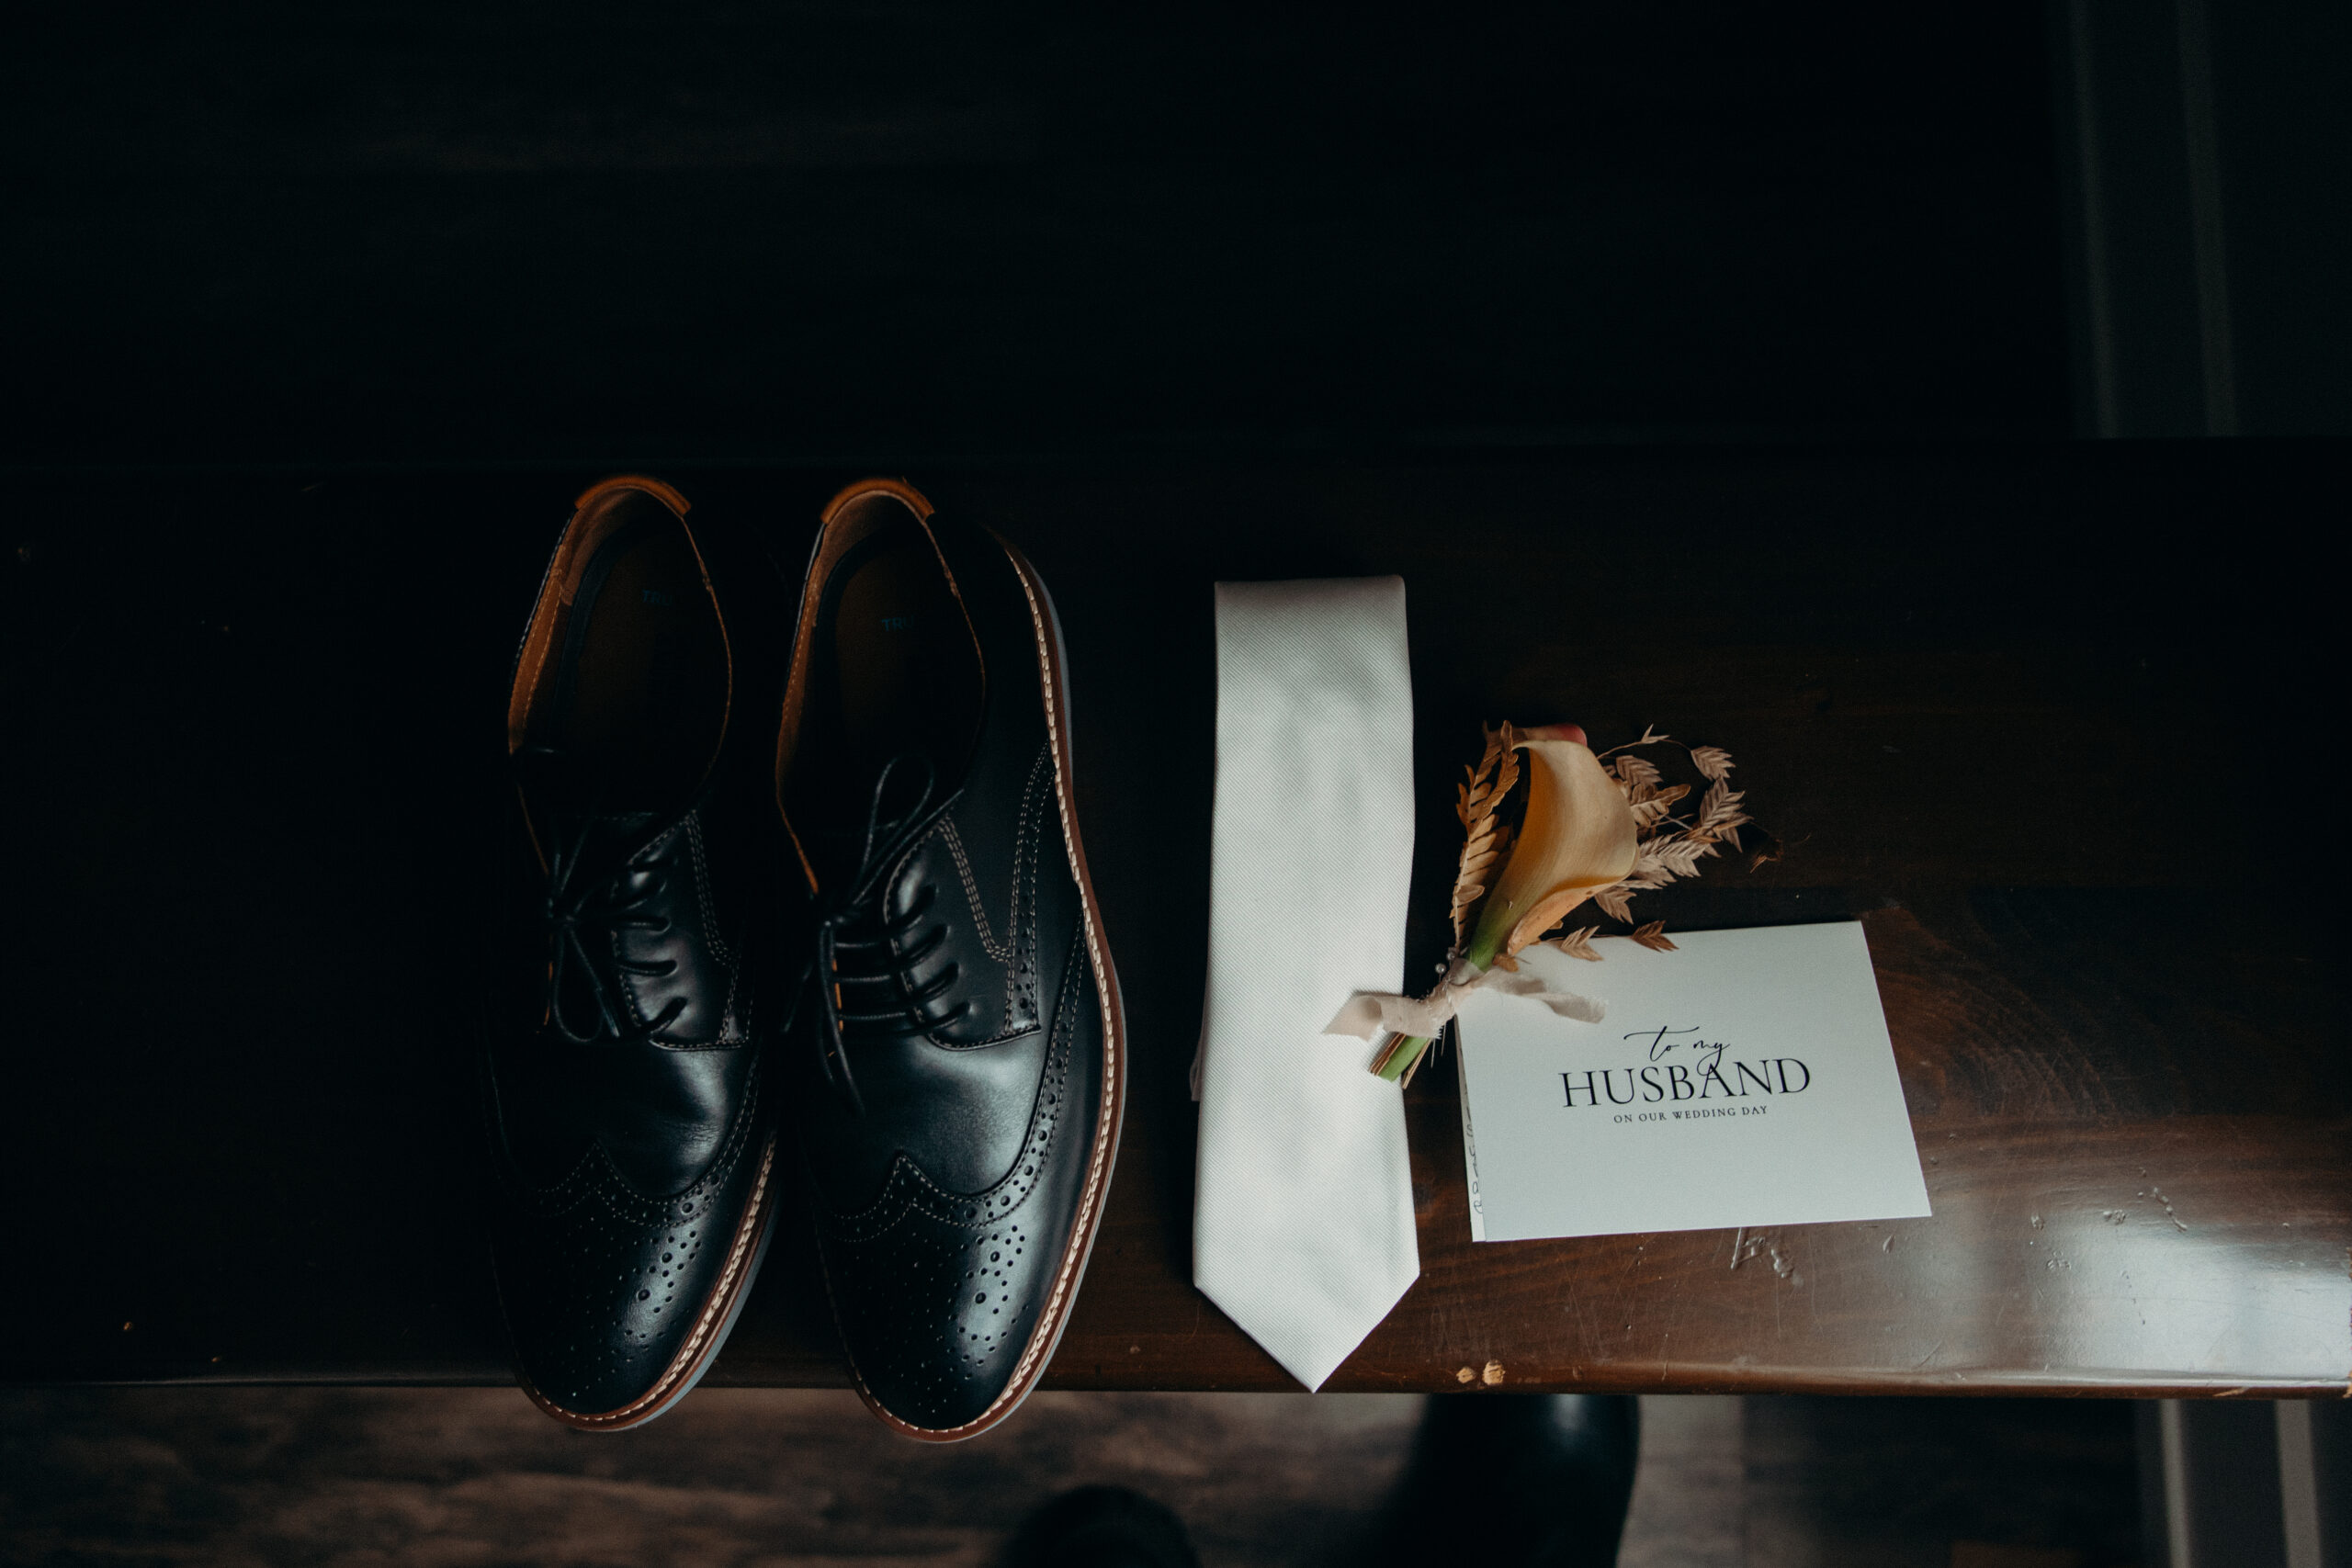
(1576, 833)
(1666, 847)
(1484, 835)
(1669, 847)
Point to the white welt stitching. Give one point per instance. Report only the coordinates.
(1024, 1372)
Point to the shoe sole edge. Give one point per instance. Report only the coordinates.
(1043, 1339)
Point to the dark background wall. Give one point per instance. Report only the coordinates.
(2205, 180)
(449, 230)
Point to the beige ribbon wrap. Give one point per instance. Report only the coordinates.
(1368, 1015)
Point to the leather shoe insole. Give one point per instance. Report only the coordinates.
(640, 695)
(904, 671)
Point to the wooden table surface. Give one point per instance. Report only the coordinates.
(2047, 719)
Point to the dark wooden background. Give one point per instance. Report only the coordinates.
(1694, 364)
(445, 229)
(2054, 721)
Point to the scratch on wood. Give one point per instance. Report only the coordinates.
(1744, 1247)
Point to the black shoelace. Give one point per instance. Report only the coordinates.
(859, 946)
(576, 961)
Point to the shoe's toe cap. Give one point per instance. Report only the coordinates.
(614, 1302)
(940, 1310)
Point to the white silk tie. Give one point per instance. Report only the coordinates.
(1302, 1219)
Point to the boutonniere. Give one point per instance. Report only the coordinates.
(1583, 830)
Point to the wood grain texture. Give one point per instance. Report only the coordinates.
(2078, 1245)
(950, 227)
(750, 1478)
(732, 1478)
(2057, 766)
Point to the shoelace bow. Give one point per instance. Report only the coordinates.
(876, 956)
(574, 915)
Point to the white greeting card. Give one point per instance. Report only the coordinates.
(1746, 1079)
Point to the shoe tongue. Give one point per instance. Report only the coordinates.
(599, 844)
(903, 800)
(607, 839)
(571, 798)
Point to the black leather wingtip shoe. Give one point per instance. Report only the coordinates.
(959, 1061)
(636, 1164)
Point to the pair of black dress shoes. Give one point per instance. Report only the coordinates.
(814, 901)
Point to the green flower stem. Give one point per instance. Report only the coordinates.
(1398, 1059)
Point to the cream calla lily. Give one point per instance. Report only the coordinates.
(1577, 838)
(1580, 835)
